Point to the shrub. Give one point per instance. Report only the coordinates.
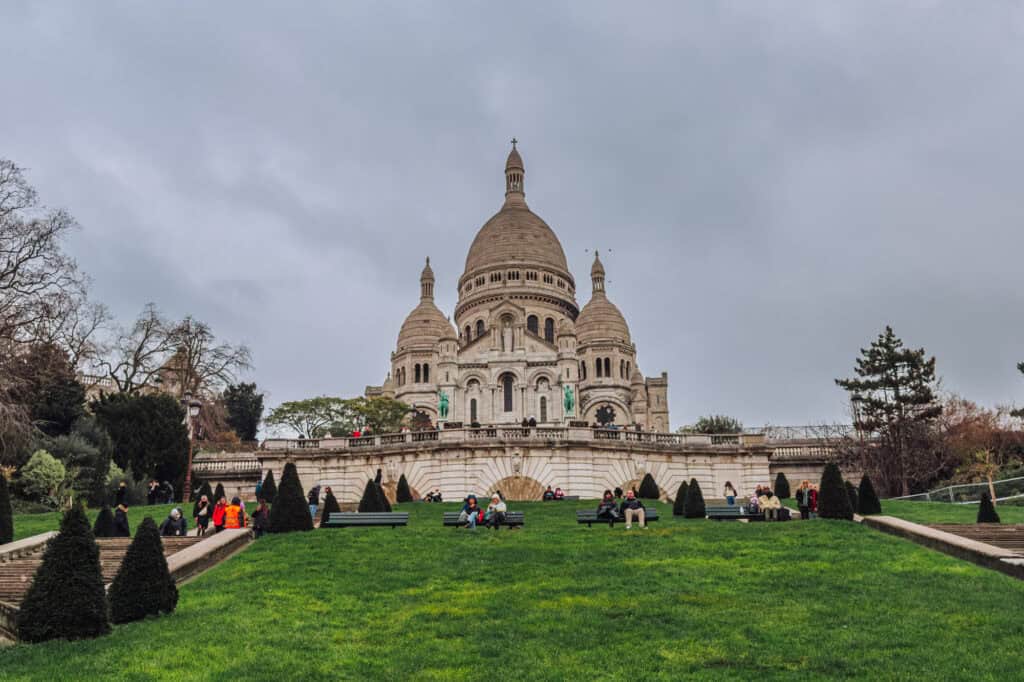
(143, 585)
(851, 492)
(6, 513)
(42, 477)
(782, 487)
(371, 500)
(833, 501)
(219, 493)
(867, 498)
(986, 510)
(648, 488)
(269, 490)
(67, 599)
(290, 511)
(403, 493)
(104, 524)
(679, 505)
(694, 507)
(330, 507)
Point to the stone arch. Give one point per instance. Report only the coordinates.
(539, 374)
(470, 375)
(517, 488)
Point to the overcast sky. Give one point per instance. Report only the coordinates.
(776, 181)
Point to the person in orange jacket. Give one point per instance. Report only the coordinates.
(234, 517)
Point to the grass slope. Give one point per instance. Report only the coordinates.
(943, 512)
(26, 525)
(694, 599)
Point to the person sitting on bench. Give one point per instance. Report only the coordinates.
(769, 504)
(607, 509)
(633, 508)
(471, 512)
(549, 495)
(559, 495)
(495, 515)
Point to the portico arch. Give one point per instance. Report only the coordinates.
(518, 488)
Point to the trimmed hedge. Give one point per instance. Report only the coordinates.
(648, 488)
(371, 500)
(290, 512)
(986, 510)
(694, 507)
(402, 492)
(269, 490)
(782, 487)
(66, 599)
(6, 514)
(868, 502)
(833, 501)
(679, 504)
(218, 493)
(143, 585)
(329, 507)
(103, 527)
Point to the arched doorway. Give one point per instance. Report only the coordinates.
(518, 488)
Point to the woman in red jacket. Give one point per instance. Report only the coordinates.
(218, 514)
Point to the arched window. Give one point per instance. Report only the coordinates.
(473, 385)
(622, 369)
(597, 368)
(543, 409)
(583, 370)
(607, 367)
(417, 373)
(469, 334)
(472, 410)
(531, 324)
(479, 328)
(506, 384)
(549, 330)
(426, 373)
(628, 372)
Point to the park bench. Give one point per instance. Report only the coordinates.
(589, 516)
(348, 519)
(730, 513)
(512, 519)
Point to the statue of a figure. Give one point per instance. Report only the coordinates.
(442, 404)
(570, 400)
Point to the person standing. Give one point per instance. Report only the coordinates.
(633, 508)
(122, 494)
(803, 499)
(151, 494)
(730, 494)
(121, 528)
(495, 512)
(314, 500)
(234, 517)
(202, 515)
(261, 519)
(218, 515)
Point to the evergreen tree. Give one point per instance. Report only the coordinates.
(6, 513)
(103, 527)
(833, 502)
(782, 486)
(218, 493)
(648, 488)
(694, 507)
(382, 498)
(894, 396)
(379, 478)
(370, 501)
(67, 599)
(851, 492)
(869, 503)
(679, 504)
(290, 511)
(244, 406)
(330, 507)
(403, 493)
(269, 490)
(143, 585)
(986, 510)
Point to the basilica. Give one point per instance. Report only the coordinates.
(521, 348)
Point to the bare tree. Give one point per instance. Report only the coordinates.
(134, 358)
(200, 364)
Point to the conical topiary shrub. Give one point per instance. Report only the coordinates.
(867, 499)
(143, 585)
(6, 514)
(329, 507)
(694, 506)
(648, 488)
(782, 486)
(103, 527)
(679, 505)
(370, 501)
(66, 599)
(833, 501)
(986, 510)
(218, 493)
(851, 492)
(290, 511)
(402, 492)
(382, 498)
(269, 490)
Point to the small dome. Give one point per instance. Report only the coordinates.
(597, 269)
(514, 160)
(566, 327)
(638, 377)
(425, 326)
(600, 320)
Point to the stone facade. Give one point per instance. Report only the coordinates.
(520, 343)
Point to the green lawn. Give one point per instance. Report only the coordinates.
(26, 525)
(944, 512)
(555, 601)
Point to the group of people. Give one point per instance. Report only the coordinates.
(614, 506)
(473, 515)
(222, 515)
(434, 496)
(556, 494)
(159, 493)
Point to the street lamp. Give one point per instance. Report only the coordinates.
(191, 411)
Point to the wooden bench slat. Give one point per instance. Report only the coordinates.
(346, 519)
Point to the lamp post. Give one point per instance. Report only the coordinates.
(191, 411)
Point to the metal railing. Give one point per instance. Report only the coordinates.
(970, 493)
